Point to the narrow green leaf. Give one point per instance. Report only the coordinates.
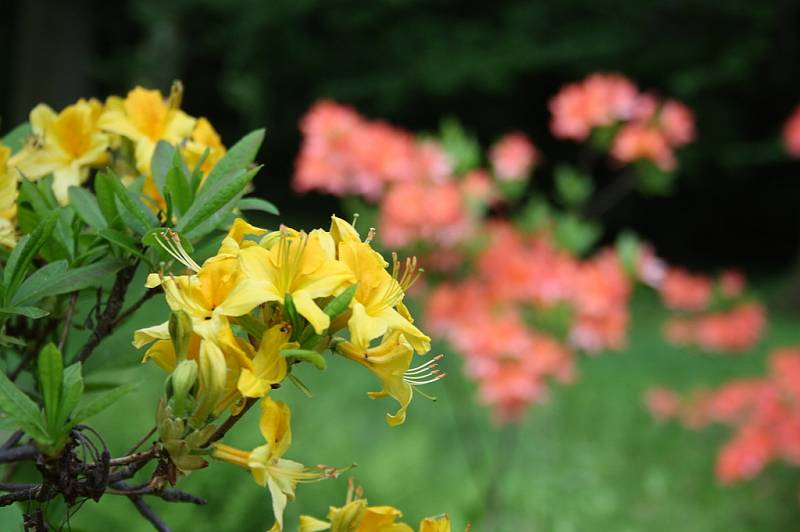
(85, 205)
(33, 313)
(130, 207)
(22, 409)
(121, 240)
(17, 137)
(54, 282)
(101, 402)
(222, 219)
(258, 204)
(51, 369)
(306, 355)
(161, 163)
(179, 189)
(24, 253)
(233, 162)
(211, 200)
(72, 390)
(105, 197)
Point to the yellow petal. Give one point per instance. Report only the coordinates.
(142, 337)
(312, 524)
(275, 425)
(307, 308)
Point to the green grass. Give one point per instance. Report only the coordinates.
(590, 459)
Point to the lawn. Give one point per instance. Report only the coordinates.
(590, 459)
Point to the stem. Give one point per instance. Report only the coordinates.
(15, 454)
(611, 195)
(148, 513)
(133, 308)
(12, 440)
(134, 457)
(106, 320)
(230, 422)
(141, 442)
(73, 300)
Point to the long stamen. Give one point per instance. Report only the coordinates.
(170, 241)
(429, 365)
(440, 376)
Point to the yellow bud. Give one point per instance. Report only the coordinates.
(213, 375)
(180, 330)
(183, 379)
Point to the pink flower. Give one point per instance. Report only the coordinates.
(684, 291)
(731, 283)
(513, 157)
(791, 133)
(677, 122)
(662, 403)
(636, 141)
(745, 456)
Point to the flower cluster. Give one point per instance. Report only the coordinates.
(527, 306)
(266, 301)
(791, 133)
(422, 197)
(764, 413)
(642, 126)
(714, 315)
(357, 515)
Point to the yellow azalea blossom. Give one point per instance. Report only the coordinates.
(377, 305)
(145, 117)
(302, 266)
(8, 201)
(390, 362)
(266, 464)
(204, 137)
(439, 523)
(269, 367)
(66, 145)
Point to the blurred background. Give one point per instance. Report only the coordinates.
(589, 459)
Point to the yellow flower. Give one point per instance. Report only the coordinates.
(269, 367)
(145, 117)
(439, 523)
(356, 516)
(66, 145)
(204, 137)
(8, 201)
(266, 463)
(390, 362)
(377, 305)
(302, 266)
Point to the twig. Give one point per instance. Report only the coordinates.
(141, 442)
(176, 495)
(73, 300)
(134, 457)
(13, 486)
(127, 313)
(148, 513)
(168, 494)
(611, 195)
(12, 440)
(106, 319)
(15, 454)
(230, 422)
(22, 495)
(126, 472)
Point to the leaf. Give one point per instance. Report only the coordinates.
(24, 253)
(53, 280)
(22, 409)
(210, 201)
(179, 189)
(233, 162)
(129, 206)
(306, 355)
(257, 204)
(122, 240)
(251, 325)
(33, 313)
(105, 197)
(161, 163)
(85, 205)
(573, 187)
(222, 219)
(101, 402)
(51, 369)
(340, 303)
(17, 137)
(71, 392)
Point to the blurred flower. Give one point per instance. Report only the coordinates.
(676, 120)
(636, 141)
(791, 133)
(734, 330)
(513, 157)
(662, 403)
(8, 200)
(683, 291)
(66, 145)
(204, 137)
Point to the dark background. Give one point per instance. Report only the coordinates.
(494, 65)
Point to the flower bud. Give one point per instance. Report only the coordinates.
(182, 380)
(180, 330)
(213, 374)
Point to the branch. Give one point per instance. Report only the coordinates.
(106, 320)
(611, 195)
(148, 513)
(230, 422)
(22, 495)
(135, 457)
(15, 454)
(13, 486)
(73, 300)
(12, 440)
(136, 306)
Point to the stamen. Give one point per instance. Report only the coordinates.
(421, 383)
(370, 235)
(170, 241)
(175, 95)
(355, 219)
(426, 366)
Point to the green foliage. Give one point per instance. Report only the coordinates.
(573, 187)
(460, 145)
(575, 234)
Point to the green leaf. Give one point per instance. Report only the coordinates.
(460, 145)
(340, 303)
(53, 280)
(653, 180)
(629, 250)
(252, 326)
(257, 204)
(121, 240)
(573, 187)
(575, 234)
(105, 196)
(24, 253)
(71, 392)
(101, 402)
(17, 137)
(306, 355)
(22, 410)
(291, 312)
(213, 203)
(51, 369)
(130, 208)
(232, 163)
(161, 163)
(85, 205)
(33, 313)
(179, 189)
